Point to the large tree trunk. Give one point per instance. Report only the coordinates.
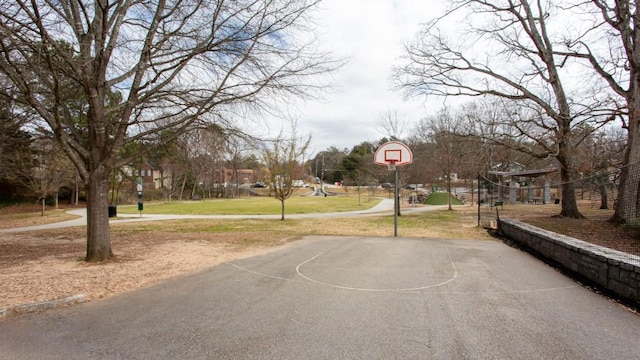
(77, 191)
(282, 207)
(604, 197)
(569, 204)
(182, 187)
(98, 240)
(569, 207)
(193, 190)
(626, 204)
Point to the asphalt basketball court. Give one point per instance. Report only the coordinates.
(345, 298)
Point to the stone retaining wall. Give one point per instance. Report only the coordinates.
(613, 270)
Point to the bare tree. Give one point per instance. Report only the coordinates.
(144, 66)
(174, 166)
(235, 149)
(205, 148)
(165, 154)
(497, 141)
(46, 170)
(283, 157)
(616, 24)
(448, 149)
(601, 157)
(516, 63)
(392, 124)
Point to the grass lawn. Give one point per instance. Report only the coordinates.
(31, 216)
(457, 224)
(255, 206)
(440, 198)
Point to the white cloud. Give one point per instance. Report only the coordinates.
(371, 34)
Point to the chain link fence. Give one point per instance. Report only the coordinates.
(490, 200)
(500, 192)
(496, 192)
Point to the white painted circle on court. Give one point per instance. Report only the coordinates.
(299, 272)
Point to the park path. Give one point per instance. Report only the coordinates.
(385, 207)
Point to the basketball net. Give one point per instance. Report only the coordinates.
(391, 165)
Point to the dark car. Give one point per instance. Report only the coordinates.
(386, 185)
(258, 185)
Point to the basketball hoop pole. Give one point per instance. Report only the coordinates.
(392, 154)
(396, 206)
(391, 166)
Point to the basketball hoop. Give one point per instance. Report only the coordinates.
(391, 165)
(392, 155)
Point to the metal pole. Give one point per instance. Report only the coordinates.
(322, 175)
(396, 206)
(478, 202)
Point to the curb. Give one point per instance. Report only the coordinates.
(40, 306)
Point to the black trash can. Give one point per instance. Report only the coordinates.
(113, 211)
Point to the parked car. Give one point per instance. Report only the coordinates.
(258, 185)
(386, 185)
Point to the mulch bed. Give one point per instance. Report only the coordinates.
(595, 228)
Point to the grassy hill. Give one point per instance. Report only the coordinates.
(440, 198)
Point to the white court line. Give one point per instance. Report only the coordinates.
(455, 275)
(264, 275)
(528, 291)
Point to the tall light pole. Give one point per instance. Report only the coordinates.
(322, 174)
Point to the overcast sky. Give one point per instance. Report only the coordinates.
(370, 33)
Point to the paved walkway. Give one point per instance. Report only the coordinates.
(385, 207)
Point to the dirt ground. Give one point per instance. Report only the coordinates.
(36, 268)
(45, 265)
(41, 266)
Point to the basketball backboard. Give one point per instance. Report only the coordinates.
(393, 153)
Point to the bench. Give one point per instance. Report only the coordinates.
(498, 203)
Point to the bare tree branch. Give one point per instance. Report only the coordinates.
(102, 73)
(508, 52)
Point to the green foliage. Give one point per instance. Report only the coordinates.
(440, 198)
(327, 161)
(355, 168)
(16, 154)
(251, 161)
